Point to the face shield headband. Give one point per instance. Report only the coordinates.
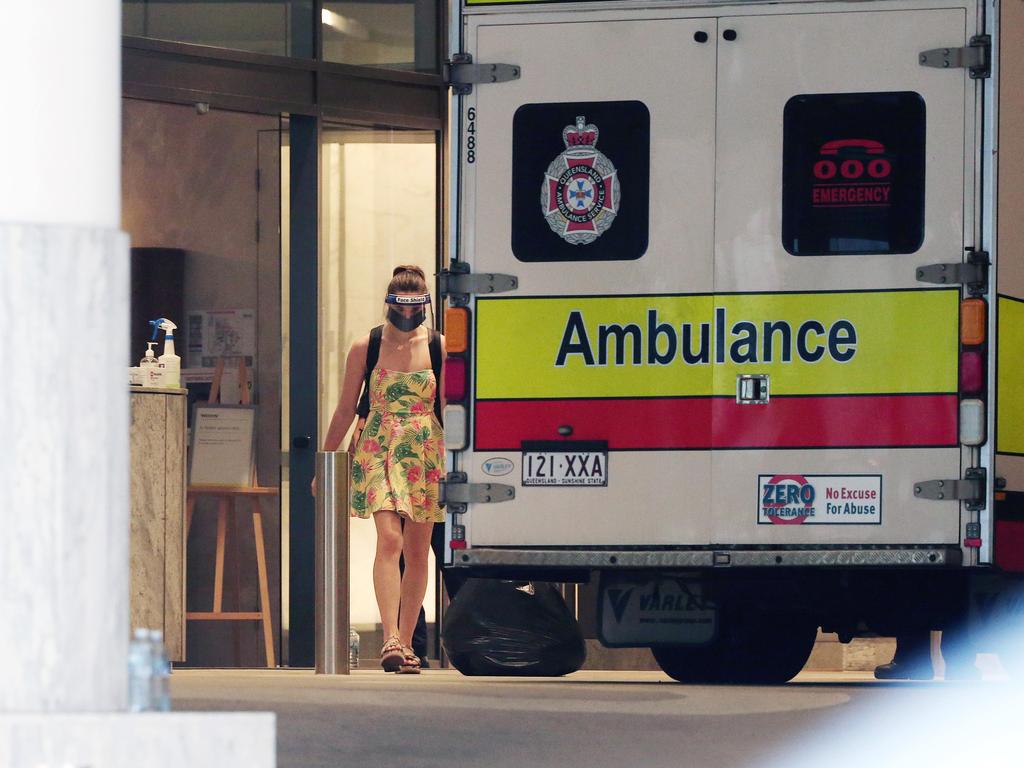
(394, 298)
(402, 321)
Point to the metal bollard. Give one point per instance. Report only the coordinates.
(331, 563)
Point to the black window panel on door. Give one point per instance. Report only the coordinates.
(853, 173)
(580, 178)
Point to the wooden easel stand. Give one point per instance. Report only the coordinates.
(226, 496)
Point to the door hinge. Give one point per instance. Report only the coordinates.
(461, 74)
(972, 273)
(458, 283)
(970, 490)
(975, 56)
(457, 492)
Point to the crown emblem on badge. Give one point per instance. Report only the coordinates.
(579, 135)
(580, 194)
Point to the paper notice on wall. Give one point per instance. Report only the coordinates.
(221, 333)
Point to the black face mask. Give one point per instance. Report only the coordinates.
(403, 323)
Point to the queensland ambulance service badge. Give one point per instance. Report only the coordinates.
(580, 194)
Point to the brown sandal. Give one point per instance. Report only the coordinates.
(410, 663)
(392, 655)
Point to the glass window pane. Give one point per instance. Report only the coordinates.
(399, 34)
(853, 173)
(378, 209)
(277, 27)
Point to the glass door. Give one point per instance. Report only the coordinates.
(378, 210)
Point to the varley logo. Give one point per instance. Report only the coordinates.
(619, 598)
(498, 466)
(580, 194)
(677, 597)
(661, 611)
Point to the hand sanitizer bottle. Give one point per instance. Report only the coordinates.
(168, 364)
(148, 367)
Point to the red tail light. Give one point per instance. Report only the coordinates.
(455, 384)
(972, 372)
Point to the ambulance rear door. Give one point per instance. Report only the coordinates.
(591, 179)
(843, 165)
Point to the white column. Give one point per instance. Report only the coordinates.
(63, 350)
(64, 468)
(61, 132)
(64, 518)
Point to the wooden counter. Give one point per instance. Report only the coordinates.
(157, 580)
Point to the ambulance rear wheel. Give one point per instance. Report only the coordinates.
(770, 649)
(756, 649)
(699, 664)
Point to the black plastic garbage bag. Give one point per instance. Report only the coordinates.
(496, 627)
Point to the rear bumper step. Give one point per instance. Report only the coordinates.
(943, 555)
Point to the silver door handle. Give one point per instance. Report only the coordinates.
(752, 389)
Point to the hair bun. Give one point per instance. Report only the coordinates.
(408, 278)
(409, 268)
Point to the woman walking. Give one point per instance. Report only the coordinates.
(399, 453)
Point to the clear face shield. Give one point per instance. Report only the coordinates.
(407, 312)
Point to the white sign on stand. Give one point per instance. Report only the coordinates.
(223, 445)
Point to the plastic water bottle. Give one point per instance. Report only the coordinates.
(353, 648)
(160, 699)
(140, 672)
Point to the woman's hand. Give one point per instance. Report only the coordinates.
(356, 434)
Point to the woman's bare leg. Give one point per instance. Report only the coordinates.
(415, 548)
(386, 579)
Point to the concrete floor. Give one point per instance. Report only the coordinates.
(593, 719)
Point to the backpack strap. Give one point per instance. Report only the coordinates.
(372, 353)
(436, 362)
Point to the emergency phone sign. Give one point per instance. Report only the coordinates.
(852, 181)
(853, 173)
(791, 499)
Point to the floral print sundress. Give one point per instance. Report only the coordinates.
(399, 459)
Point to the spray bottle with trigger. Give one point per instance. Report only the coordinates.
(168, 364)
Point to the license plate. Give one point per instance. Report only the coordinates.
(565, 463)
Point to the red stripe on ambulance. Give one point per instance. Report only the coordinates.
(696, 423)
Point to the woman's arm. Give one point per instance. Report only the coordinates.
(351, 385)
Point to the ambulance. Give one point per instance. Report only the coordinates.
(735, 311)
